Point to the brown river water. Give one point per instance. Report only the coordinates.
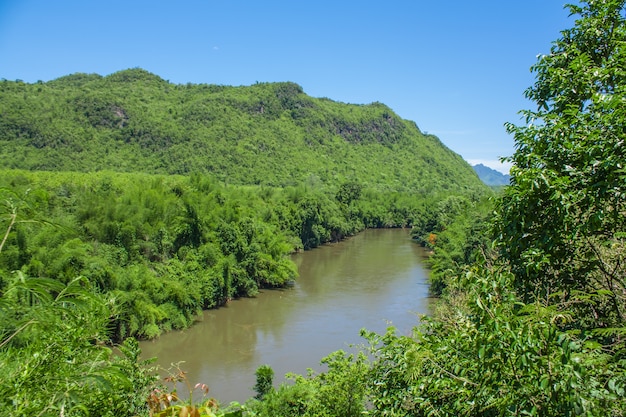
(372, 280)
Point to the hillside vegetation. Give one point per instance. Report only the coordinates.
(129, 204)
(532, 315)
(269, 134)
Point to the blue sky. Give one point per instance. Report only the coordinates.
(457, 68)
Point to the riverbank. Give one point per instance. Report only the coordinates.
(372, 280)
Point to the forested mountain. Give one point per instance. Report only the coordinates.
(129, 204)
(532, 315)
(265, 134)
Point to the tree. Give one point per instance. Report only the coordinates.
(349, 192)
(561, 222)
(264, 380)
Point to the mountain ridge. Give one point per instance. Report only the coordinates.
(269, 134)
(490, 176)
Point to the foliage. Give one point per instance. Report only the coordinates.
(562, 221)
(159, 248)
(537, 327)
(162, 248)
(566, 205)
(269, 134)
(53, 357)
(337, 392)
(163, 403)
(264, 381)
(457, 234)
(52, 345)
(492, 356)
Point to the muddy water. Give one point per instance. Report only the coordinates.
(372, 280)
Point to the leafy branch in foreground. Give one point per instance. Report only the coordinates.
(53, 355)
(164, 403)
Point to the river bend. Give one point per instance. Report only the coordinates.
(372, 280)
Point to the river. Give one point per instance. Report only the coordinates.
(372, 280)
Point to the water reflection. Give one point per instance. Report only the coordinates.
(370, 280)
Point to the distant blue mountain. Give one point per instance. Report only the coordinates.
(490, 176)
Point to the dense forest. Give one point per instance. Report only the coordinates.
(129, 204)
(269, 134)
(166, 247)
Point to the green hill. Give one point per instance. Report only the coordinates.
(169, 199)
(175, 198)
(265, 134)
(130, 204)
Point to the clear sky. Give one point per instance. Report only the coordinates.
(457, 68)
